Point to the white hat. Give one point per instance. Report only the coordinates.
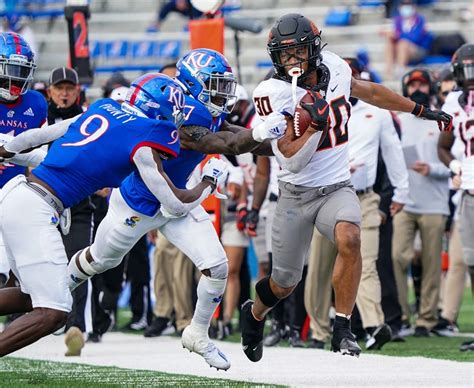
(119, 94)
(241, 93)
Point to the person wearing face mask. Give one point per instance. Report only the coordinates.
(408, 41)
(429, 191)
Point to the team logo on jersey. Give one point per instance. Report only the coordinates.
(29, 112)
(10, 113)
(199, 60)
(217, 299)
(132, 221)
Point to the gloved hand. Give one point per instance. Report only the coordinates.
(319, 112)
(241, 216)
(273, 127)
(445, 121)
(252, 223)
(215, 171)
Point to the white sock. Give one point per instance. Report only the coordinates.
(343, 316)
(75, 276)
(209, 293)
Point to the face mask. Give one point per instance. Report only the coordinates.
(406, 11)
(353, 100)
(420, 98)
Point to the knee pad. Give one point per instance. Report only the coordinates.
(105, 264)
(265, 292)
(102, 263)
(219, 271)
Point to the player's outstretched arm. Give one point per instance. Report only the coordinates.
(29, 159)
(379, 95)
(176, 201)
(35, 137)
(231, 141)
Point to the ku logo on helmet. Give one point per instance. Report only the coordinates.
(199, 60)
(176, 97)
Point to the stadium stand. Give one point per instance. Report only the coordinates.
(119, 41)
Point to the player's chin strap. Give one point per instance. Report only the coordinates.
(295, 73)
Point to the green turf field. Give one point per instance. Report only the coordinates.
(17, 372)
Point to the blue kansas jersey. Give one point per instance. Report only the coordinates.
(97, 150)
(29, 111)
(134, 190)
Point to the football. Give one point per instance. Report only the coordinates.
(302, 118)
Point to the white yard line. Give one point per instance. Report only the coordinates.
(295, 367)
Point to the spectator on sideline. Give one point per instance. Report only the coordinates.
(429, 191)
(408, 41)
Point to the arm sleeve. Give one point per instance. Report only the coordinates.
(392, 154)
(30, 159)
(157, 184)
(439, 170)
(299, 160)
(38, 136)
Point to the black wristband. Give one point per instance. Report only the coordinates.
(211, 180)
(417, 110)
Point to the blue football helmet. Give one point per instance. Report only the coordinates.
(158, 97)
(208, 77)
(17, 66)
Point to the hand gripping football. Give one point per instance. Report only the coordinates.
(302, 118)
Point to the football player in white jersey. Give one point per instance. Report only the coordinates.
(314, 181)
(460, 104)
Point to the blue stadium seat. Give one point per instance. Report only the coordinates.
(122, 55)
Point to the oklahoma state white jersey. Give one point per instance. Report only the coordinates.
(463, 123)
(330, 162)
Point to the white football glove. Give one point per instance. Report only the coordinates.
(273, 127)
(216, 170)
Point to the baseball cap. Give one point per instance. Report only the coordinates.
(417, 75)
(63, 74)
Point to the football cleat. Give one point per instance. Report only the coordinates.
(252, 333)
(74, 341)
(381, 335)
(342, 339)
(198, 342)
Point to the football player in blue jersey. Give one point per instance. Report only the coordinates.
(96, 149)
(134, 209)
(20, 107)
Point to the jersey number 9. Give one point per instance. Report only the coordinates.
(90, 137)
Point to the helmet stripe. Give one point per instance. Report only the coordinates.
(16, 39)
(138, 87)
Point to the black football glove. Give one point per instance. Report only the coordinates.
(252, 223)
(445, 121)
(319, 112)
(241, 216)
